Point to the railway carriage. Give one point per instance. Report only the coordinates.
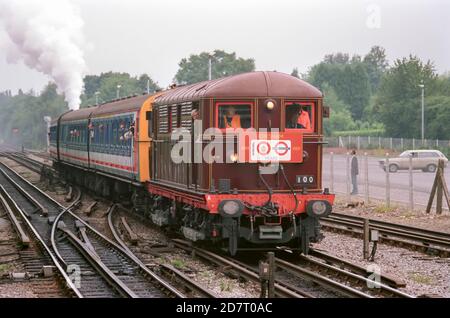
(242, 172)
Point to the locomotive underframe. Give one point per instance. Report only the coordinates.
(244, 232)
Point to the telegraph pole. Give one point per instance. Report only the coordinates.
(422, 86)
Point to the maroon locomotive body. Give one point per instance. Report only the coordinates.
(236, 161)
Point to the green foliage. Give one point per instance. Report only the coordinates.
(26, 113)
(438, 117)
(397, 103)
(348, 77)
(295, 73)
(196, 68)
(373, 132)
(376, 64)
(340, 116)
(106, 85)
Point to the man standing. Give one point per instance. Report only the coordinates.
(354, 172)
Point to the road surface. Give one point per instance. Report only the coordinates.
(399, 181)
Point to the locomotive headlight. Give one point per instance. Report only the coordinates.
(318, 208)
(234, 157)
(270, 105)
(231, 208)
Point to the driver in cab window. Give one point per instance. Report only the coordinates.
(297, 117)
(303, 119)
(231, 119)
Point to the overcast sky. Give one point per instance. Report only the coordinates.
(152, 36)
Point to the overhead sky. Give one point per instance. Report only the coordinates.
(139, 36)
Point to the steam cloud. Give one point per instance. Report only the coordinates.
(47, 36)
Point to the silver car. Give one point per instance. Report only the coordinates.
(425, 160)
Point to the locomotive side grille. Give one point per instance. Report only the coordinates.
(163, 119)
(174, 116)
(186, 120)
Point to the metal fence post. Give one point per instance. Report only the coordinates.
(359, 142)
(414, 144)
(411, 187)
(332, 172)
(390, 143)
(271, 260)
(401, 143)
(368, 142)
(379, 142)
(366, 238)
(366, 178)
(388, 192)
(437, 143)
(347, 170)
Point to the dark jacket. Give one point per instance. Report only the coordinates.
(355, 168)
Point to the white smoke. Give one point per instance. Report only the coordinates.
(47, 35)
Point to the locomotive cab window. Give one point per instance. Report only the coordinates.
(299, 116)
(231, 115)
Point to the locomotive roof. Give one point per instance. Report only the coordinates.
(253, 84)
(121, 105)
(82, 113)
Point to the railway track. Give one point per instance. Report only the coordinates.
(97, 266)
(36, 252)
(189, 286)
(427, 241)
(24, 160)
(343, 272)
(45, 279)
(330, 276)
(322, 279)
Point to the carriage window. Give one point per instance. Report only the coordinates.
(300, 116)
(234, 116)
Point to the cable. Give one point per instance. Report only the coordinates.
(374, 250)
(269, 189)
(290, 187)
(267, 209)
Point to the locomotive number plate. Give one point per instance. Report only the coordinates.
(304, 179)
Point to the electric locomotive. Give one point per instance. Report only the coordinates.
(236, 161)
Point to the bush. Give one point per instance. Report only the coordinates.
(374, 132)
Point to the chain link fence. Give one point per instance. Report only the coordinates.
(398, 144)
(409, 187)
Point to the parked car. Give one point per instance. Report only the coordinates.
(425, 160)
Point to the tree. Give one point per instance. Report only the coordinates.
(196, 68)
(397, 102)
(337, 58)
(295, 72)
(106, 85)
(349, 80)
(26, 112)
(437, 117)
(340, 117)
(376, 64)
(145, 80)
